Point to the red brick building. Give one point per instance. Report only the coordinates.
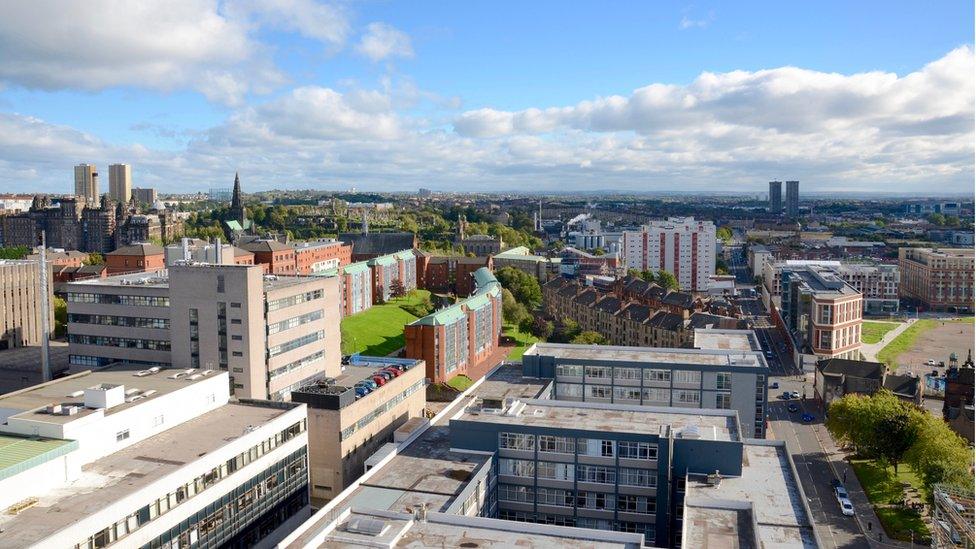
(460, 338)
(135, 258)
(321, 255)
(277, 258)
(449, 274)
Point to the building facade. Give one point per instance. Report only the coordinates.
(120, 182)
(792, 199)
(822, 313)
(775, 197)
(681, 246)
(726, 371)
(145, 195)
(320, 255)
(458, 339)
(86, 183)
(136, 258)
(938, 279)
(20, 303)
(482, 244)
(878, 283)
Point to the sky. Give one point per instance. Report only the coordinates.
(538, 96)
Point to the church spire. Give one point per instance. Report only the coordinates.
(236, 201)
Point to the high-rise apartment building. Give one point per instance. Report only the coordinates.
(792, 199)
(681, 246)
(120, 182)
(939, 279)
(86, 183)
(146, 195)
(775, 197)
(271, 333)
(124, 457)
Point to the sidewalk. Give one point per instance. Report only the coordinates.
(864, 511)
(870, 351)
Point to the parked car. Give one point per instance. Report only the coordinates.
(394, 371)
(846, 507)
(834, 483)
(795, 394)
(840, 492)
(384, 374)
(793, 408)
(774, 385)
(380, 380)
(369, 383)
(930, 362)
(785, 395)
(807, 418)
(361, 391)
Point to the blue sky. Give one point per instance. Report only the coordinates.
(490, 95)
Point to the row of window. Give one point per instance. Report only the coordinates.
(626, 449)
(294, 322)
(296, 365)
(123, 342)
(585, 500)
(624, 373)
(295, 343)
(582, 522)
(381, 409)
(87, 360)
(127, 321)
(115, 299)
(182, 493)
(291, 301)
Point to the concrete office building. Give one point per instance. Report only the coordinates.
(460, 338)
(86, 183)
(509, 466)
(120, 182)
(20, 303)
(775, 197)
(822, 313)
(938, 279)
(272, 334)
(346, 427)
(145, 195)
(681, 246)
(792, 199)
(725, 370)
(149, 458)
(878, 283)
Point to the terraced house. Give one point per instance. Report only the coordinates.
(458, 339)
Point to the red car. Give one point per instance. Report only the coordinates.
(380, 380)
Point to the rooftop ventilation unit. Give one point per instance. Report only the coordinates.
(53, 408)
(366, 526)
(149, 393)
(69, 410)
(76, 394)
(714, 479)
(194, 377)
(691, 431)
(106, 396)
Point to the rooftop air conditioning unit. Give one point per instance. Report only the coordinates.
(70, 410)
(142, 373)
(53, 408)
(149, 393)
(194, 377)
(154, 369)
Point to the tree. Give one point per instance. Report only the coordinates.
(896, 434)
(633, 273)
(14, 252)
(939, 455)
(513, 311)
(397, 289)
(524, 287)
(542, 328)
(721, 267)
(60, 317)
(94, 258)
(589, 338)
(724, 234)
(565, 330)
(667, 280)
(648, 276)
(599, 251)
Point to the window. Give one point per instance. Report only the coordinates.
(555, 471)
(516, 467)
(687, 397)
(723, 401)
(687, 376)
(235, 305)
(595, 500)
(569, 370)
(636, 504)
(598, 372)
(556, 445)
(295, 343)
(626, 373)
(658, 396)
(646, 478)
(157, 421)
(510, 492)
(723, 380)
(569, 390)
(220, 284)
(825, 314)
(236, 338)
(627, 393)
(637, 450)
(555, 496)
(121, 435)
(516, 441)
(652, 374)
(598, 391)
(596, 474)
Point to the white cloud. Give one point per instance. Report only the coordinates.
(178, 44)
(382, 41)
(735, 130)
(690, 23)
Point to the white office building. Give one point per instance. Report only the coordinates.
(681, 246)
(148, 458)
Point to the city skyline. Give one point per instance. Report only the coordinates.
(383, 97)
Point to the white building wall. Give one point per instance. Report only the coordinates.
(643, 250)
(39, 479)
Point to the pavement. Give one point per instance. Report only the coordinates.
(871, 350)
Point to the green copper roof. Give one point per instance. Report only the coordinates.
(235, 225)
(477, 301)
(520, 253)
(328, 273)
(442, 317)
(354, 268)
(383, 260)
(405, 254)
(483, 277)
(18, 454)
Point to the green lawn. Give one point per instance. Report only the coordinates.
(872, 332)
(523, 339)
(378, 331)
(460, 382)
(904, 341)
(884, 490)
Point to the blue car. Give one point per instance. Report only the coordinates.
(361, 392)
(807, 418)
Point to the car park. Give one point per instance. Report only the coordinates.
(380, 380)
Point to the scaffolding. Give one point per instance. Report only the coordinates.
(952, 517)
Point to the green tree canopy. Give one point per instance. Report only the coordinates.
(589, 338)
(667, 280)
(524, 287)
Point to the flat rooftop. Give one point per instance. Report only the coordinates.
(123, 473)
(403, 530)
(32, 401)
(727, 340)
(160, 278)
(650, 355)
(19, 451)
(650, 420)
(767, 489)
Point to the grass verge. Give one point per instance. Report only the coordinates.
(904, 341)
(522, 340)
(873, 332)
(885, 491)
(378, 331)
